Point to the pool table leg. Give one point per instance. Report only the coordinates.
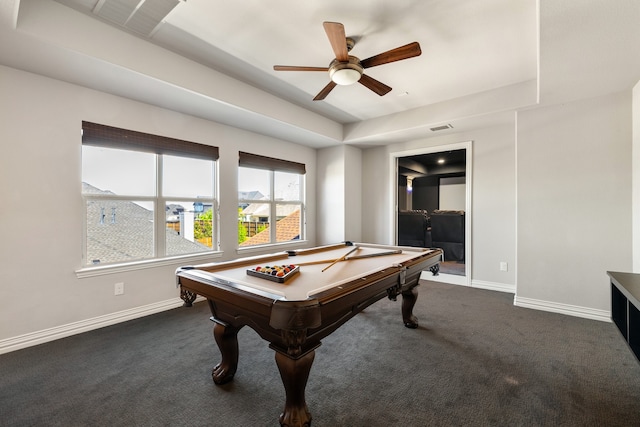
(227, 338)
(294, 374)
(409, 298)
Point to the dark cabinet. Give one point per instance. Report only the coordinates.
(625, 307)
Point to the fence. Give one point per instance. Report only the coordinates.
(254, 228)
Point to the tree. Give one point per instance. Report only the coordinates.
(242, 230)
(203, 226)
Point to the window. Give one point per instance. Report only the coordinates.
(146, 196)
(270, 200)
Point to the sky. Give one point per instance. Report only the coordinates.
(132, 173)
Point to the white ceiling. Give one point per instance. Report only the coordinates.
(480, 61)
(489, 44)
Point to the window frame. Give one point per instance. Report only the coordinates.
(94, 134)
(273, 165)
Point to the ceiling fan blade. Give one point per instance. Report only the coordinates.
(403, 52)
(325, 91)
(338, 40)
(373, 84)
(298, 68)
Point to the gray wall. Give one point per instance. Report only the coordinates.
(331, 195)
(493, 198)
(562, 173)
(574, 202)
(635, 210)
(339, 194)
(557, 181)
(41, 227)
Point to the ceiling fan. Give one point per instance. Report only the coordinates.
(346, 69)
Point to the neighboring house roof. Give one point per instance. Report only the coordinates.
(251, 195)
(119, 230)
(288, 228)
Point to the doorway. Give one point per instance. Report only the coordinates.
(432, 187)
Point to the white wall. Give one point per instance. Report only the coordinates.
(331, 196)
(353, 194)
(636, 178)
(339, 194)
(574, 217)
(493, 199)
(574, 203)
(41, 226)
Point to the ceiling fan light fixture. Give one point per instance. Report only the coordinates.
(345, 73)
(345, 76)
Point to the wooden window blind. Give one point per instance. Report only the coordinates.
(269, 163)
(111, 137)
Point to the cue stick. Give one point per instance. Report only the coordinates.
(397, 251)
(324, 261)
(340, 259)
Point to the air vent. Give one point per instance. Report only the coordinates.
(443, 127)
(142, 17)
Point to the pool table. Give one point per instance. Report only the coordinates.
(327, 286)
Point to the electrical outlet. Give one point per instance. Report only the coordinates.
(504, 266)
(119, 288)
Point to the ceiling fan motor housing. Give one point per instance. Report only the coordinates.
(345, 73)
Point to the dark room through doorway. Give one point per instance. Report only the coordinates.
(432, 205)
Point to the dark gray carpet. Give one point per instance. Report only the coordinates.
(476, 360)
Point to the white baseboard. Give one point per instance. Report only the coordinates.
(554, 307)
(63, 331)
(464, 281)
(493, 286)
(568, 309)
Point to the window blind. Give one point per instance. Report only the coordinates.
(262, 162)
(111, 137)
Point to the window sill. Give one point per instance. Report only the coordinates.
(177, 261)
